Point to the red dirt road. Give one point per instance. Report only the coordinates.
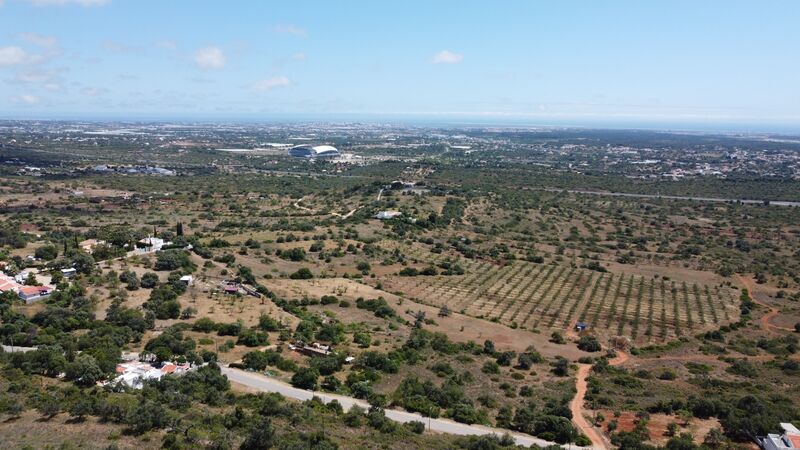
(765, 320)
(576, 406)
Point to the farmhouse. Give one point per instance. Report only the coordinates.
(32, 293)
(8, 284)
(790, 439)
(152, 244)
(135, 373)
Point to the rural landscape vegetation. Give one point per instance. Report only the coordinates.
(399, 225)
(508, 289)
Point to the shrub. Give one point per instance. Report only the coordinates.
(302, 273)
(415, 426)
(589, 344)
(305, 378)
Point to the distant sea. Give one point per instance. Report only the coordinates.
(452, 121)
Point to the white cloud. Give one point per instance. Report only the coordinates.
(32, 76)
(45, 79)
(210, 58)
(26, 99)
(38, 39)
(69, 2)
(299, 56)
(270, 83)
(290, 29)
(447, 57)
(12, 56)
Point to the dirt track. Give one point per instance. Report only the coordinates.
(576, 406)
(765, 320)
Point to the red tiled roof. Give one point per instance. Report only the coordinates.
(34, 290)
(168, 368)
(8, 284)
(794, 439)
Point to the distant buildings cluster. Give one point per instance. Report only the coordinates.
(314, 151)
(146, 170)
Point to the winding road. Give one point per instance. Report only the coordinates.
(765, 320)
(266, 384)
(576, 406)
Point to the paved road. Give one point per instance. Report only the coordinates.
(267, 384)
(675, 197)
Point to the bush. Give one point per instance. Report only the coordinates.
(164, 303)
(255, 360)
(173, 260)
(491, 367)
(47, 252)
(557, 338)
(149, 280)
(252, 338)
(589, 344)
(328, 299)
(296, 254)
(305, 378)
(415, 426)
(302, 273)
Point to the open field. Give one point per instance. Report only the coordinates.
(556, 296)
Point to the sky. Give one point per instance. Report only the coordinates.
(518, 61)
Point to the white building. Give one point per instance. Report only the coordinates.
(151, 244)
(316, 151)
(383, 215)
(135, 373)
(790, 439)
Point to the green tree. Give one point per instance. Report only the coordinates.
(302, 273)
(149, 280)
(84, 370)
(305, 378)
(261, 436)
(46, 252)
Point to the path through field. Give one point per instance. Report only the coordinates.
(765, 320)
(576, 406)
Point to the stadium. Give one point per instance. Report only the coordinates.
(316, 151)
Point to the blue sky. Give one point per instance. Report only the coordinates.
(543, 61)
